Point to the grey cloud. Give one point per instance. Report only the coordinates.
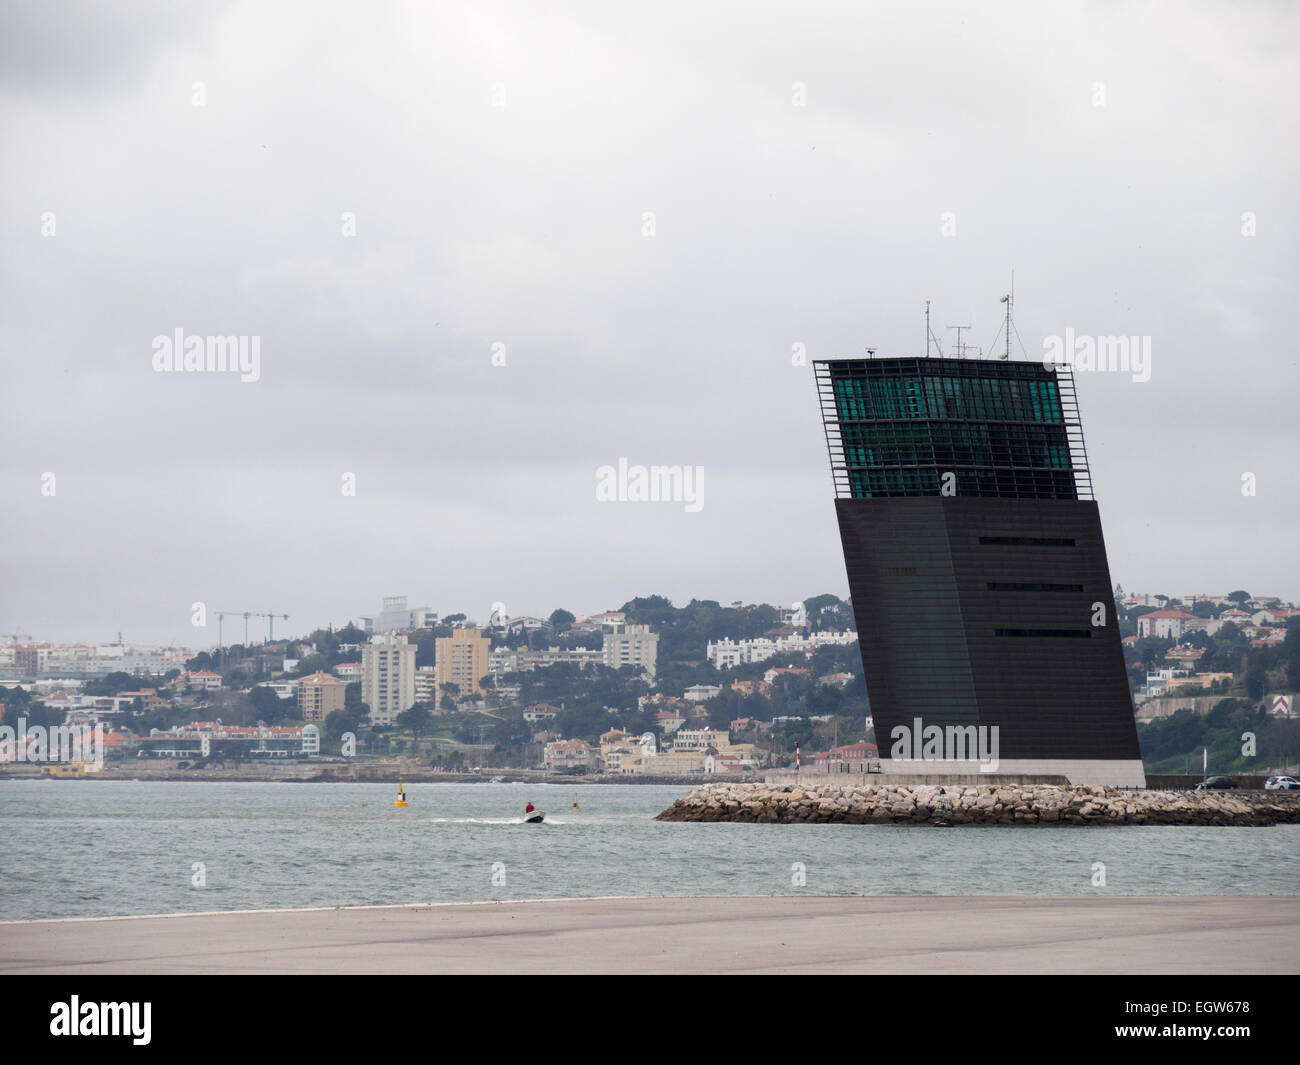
(522, 224)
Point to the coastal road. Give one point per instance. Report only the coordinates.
(769, 934)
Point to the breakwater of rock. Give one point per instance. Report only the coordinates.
(967, 804)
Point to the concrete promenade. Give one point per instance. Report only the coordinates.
(787, 934)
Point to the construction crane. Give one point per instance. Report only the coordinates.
(223, 614)
(270, 624)
(221, 617)
(16, 636)
(246, 614)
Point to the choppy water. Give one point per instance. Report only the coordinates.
(95, 848)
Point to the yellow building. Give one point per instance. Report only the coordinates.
(462, 659)
(320, 695)
(675, 763)
(1196, 680)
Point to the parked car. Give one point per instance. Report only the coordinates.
(1282, 784)
(1215, 783)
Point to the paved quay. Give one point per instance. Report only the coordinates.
(769, 934)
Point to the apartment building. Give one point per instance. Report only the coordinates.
(630, 645)
(319, 695)
(462, 659)
(388, 677)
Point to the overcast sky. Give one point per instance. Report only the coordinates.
(170, 166)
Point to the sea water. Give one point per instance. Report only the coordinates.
(76, 848)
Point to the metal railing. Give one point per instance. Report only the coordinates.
(831, 423)
(1074, 431)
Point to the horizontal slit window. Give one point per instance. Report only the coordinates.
(1017, 586)
(1077, 633)
(1028, 541)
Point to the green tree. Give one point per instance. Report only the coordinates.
(20, 703)
(269, 707)
(311, 664)
(655, 610)
(112, 684)
(416, 720)
(815, 604)
(349, 719)
(561, 620)
(723, 708)
(350, 634)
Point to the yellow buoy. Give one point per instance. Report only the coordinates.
(401, 796)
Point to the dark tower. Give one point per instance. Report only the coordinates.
(976, 562)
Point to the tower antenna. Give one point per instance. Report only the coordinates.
(1009, 299)
(929, 334)
(961, 351)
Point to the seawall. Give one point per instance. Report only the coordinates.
(960, 804)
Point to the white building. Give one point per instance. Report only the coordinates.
(426, 684)
(310, 740)
(795, 616)
(516, 626)
(727, 654)
(285, 689)
(204, 680)
(1158, 682)
(696, 739)
(387, 677)
(609, 617)
(1167, 624)
(570, 754)
(521, 660)
(396, 616)
(630, 645)
(670, 721)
